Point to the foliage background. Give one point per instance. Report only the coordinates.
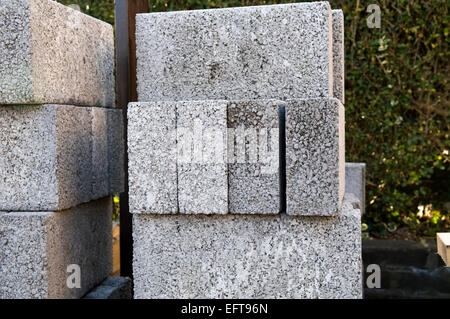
(397, 106)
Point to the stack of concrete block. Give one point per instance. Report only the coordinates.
(61, 150)
(237, 156)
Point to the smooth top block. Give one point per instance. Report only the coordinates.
(276, 51)
(52, 54)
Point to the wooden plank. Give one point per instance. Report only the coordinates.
(443, 246)
(116, 252)
(134, 7)
(125, 23)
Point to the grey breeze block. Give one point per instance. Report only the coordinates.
(355, 182)
(205, 167)
(201, 156)
(315, 156)
(253, 157)
(338, 56)
(152, 163)
(55, 157)
(248, 256)
(50, 53)
(37, 248)
(262, 52)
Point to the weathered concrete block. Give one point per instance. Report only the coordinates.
(248, 256)
(112, 288)
(253, 160)
(100, 161)
(315, 156)
(50, 53)
(108, 152)
(54, 157)
(338, 56)
(201, 155)
(355, 182)
(116, 151)
(73, 153)
(38, 247)
(263, 52)
(152, 158)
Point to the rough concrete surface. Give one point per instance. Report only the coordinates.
(248, 256)
(202, 174)
(262, 52)
(54, 156)
(112, 288)
(315, 156)
(338, 56)
(253, 162)
(212, 171)
(50, 53)
(37, 248)
(152, 158)
(116, 151)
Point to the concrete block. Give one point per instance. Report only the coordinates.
(50, 53)
(74, 154)
(248, 256)
(54, 157)
(262, 52)
(443, 247)
(108, 152)
(338, 56)
(353, 200)
(201, 155)
(152, 158)
(315, 156)
(355, 182)
(100, 161)
(112, 288)
(253, 162)
(116, 151)
(38, 247)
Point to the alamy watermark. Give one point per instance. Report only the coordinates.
(374, 19)
(74, 279)
(373, 280)
(214, 145)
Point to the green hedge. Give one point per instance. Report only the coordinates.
(397, 105)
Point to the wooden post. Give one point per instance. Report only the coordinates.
(125, 22)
